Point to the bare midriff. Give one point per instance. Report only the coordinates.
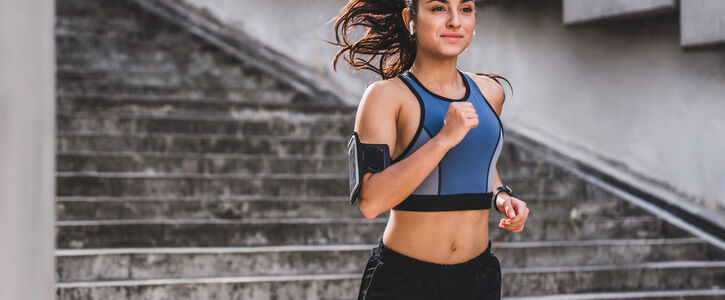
(443, 237)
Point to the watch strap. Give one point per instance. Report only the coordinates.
(503, 188)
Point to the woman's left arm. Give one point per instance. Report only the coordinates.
(512, 207)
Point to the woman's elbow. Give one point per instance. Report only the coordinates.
(366, 210)
(368, 207)
(367, 201)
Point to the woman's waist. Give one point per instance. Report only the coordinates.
(440, 237)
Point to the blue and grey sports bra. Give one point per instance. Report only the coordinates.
(463, 179)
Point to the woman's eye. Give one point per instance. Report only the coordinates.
(440, 8)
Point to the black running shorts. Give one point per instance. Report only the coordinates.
(393, 275)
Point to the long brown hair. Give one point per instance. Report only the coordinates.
(386, 36)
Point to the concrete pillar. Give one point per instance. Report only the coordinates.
(27, 149)
(702, 23)
(590, 11)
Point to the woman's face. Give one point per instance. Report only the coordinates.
(445, 27)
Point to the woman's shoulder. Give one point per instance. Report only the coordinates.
(490, 88)
(388, 93)
(388, 86)
(378, 112)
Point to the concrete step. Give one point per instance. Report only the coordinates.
(211, 208)
(113, 59)
(110, 43)
(129, 184)
(167, 73)
(279, 95)
(167, 263)
(217, 233)
(93, 7)
(202, 143)
(181, 85)
(170, 106)
(661, 276)
(173, 53)
(597, 252)
(98, 21)
(645, 276)
(166, 54)
(154, 91)
(166, 208)
(658, 294)
(160, 163)
(157, 263)
(310, 184)
(298, 125)
(72, 37)
(316, 231)
(162, 75)
(326, 286)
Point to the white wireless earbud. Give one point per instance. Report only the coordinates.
(474, 31)
(410, 24)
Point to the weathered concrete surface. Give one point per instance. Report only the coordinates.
(587, 11)
(702, 22)
(27, 143)
(182, 173)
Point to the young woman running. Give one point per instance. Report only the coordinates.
(443, 176)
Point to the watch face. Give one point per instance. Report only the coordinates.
(353, 172)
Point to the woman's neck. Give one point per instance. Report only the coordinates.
(442, 76)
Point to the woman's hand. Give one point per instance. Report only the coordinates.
(513, 208)
(460, 118)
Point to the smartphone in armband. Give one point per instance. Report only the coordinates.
(364, 158)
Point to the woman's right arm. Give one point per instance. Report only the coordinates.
(375, 122)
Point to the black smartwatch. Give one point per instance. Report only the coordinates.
(503, 188)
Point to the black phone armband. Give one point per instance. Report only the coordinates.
(364, 158)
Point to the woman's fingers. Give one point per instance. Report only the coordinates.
(509, 227)
(520, 212)
(515, 224)
(515, 220)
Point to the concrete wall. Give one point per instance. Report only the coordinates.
(27, 149)
(702, 22)
(583, 11)
(625, 94)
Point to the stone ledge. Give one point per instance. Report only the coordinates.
(702, 24)
(594, 11)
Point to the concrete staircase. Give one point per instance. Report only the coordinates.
(183, 173)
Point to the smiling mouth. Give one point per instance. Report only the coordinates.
(452, 38)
